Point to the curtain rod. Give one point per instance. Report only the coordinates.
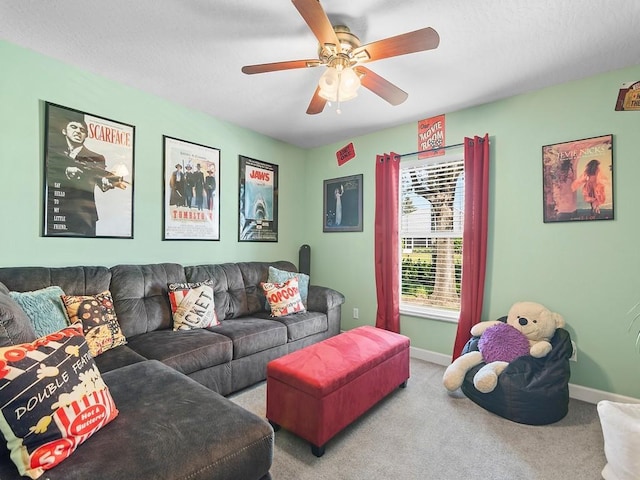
(431, 150)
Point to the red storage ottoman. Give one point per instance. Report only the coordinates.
(317, 391)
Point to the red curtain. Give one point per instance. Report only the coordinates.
(474, 237)
(387, 267)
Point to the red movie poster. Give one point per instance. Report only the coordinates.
(431, 137)
(345, 154)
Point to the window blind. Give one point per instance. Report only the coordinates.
(431, 223)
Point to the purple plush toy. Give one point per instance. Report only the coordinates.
(502, 343)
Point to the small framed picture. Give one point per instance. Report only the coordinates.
(258, 202)
(577, 180)
(191, 191)
(342, 210)
(88, 175)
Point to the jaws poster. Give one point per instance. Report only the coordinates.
(258, 203)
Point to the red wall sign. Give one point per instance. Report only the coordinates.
(431, 136)
(345, 154)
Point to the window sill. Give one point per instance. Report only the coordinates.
(429, 313)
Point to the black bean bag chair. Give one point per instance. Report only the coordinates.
(533, 391)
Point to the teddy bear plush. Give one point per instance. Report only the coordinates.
(527, 331)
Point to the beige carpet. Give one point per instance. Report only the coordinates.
(422, 432)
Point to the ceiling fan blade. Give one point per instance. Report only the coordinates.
(318, 22)
(411, 42)
(276, 66)
(381, 87)
(317, 103)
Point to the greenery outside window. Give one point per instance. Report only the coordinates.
(431, 224)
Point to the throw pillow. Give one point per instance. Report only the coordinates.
(284, 298)
(281, 276)
(186, 285)
(621, 431)
(99, 322)
(53, 399)
(44, 308)
(193, 307)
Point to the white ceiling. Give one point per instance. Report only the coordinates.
(191, 52)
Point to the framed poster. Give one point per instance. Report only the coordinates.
(342, 210)
(88, 175)
(258, 204)
(191, 190)
(577, 179)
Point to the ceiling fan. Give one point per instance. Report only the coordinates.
(343, 55)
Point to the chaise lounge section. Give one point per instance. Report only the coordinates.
(169, 386)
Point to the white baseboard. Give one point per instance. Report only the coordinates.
(429, 356)
(586, 394)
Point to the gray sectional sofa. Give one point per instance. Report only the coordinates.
(174, 421)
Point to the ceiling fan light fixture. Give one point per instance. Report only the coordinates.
(328, 83)
(339, 84)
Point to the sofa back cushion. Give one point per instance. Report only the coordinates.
(15, 326)
(253, 275)
(79, 280)
(237, 290)
(229, 293)
(141, 296)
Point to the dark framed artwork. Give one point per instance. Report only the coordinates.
(88, 175)
(342, 210)
(191, 182)
(258, 202)
(577, 178)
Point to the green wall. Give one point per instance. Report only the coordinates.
(28, 80)
(587, 271)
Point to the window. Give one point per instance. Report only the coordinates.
(431, 223)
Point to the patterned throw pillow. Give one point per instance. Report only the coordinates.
(281, 276)
(53, 399)
(186, 285)
(98, 318)
(44, 308)
(192, 305)
(284, 298)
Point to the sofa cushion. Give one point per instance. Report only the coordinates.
(44, 308)
(186, 350)
(140, 296)
(228, 287)
(15, 326)
(251, 334)
(53, 399)
(237, 288)
(81, 280)
(253, 274)
(304, 324)
(117, 357)
(169, 427)
(98, 319)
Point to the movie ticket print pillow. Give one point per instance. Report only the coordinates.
(53, 399)
(193, 308)
(284, 298)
